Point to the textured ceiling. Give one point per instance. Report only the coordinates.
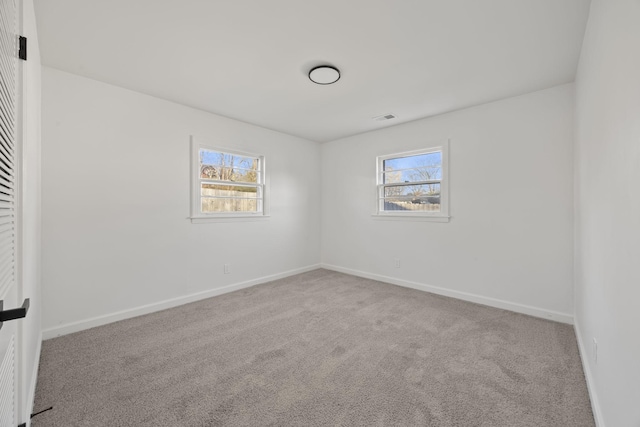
(249, 59)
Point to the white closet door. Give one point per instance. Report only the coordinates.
(8, 168)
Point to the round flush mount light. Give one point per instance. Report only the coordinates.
(324, 75)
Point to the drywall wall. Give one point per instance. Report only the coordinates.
(509, 240)
(607, 168)
(30, 235)
(117, 240)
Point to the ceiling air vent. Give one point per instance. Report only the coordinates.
(384, 117)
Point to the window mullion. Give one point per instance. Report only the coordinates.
(232, 183)
(405, 184)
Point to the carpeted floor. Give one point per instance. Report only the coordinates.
(317, 349)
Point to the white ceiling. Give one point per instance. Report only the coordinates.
(249, 59)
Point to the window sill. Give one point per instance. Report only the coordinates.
(410, 217)
(228, 218)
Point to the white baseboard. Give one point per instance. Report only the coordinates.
(492, 302)
(584, 356)
(174, 302)
(31, 397)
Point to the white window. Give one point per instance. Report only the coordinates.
(414, 184)
(226, 183)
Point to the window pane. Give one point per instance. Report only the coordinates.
(417, 204)
(217, 205)
(412, 191)
(236, 191)
(412, 162)
(229, 198)
(421, 198)
(228, 167)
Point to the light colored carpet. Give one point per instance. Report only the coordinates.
(317, 349)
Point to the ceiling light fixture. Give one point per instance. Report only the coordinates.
(324, 75)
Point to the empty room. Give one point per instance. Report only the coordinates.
(338, 213)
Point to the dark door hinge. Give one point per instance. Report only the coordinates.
(22, 51)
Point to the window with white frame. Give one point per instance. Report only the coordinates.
(413, 183)
(226, 183)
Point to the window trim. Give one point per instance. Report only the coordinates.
(443, 215)
(196, 215)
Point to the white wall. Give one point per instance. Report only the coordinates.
(30, 226)
(115, 206)
(608, 209)
(509, 241)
